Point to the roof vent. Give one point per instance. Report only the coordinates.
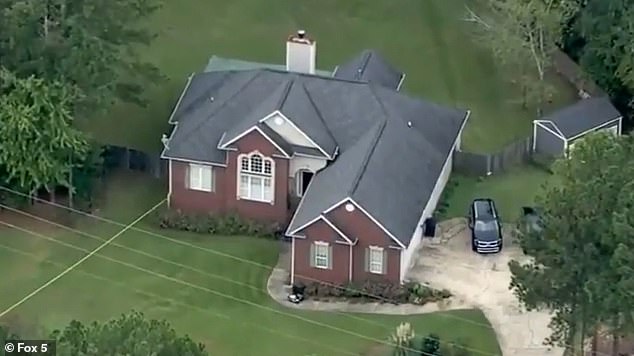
(211, 98)
(301, 33)
(409, 124)
(349, 207)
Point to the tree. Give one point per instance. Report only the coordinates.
(524, 34)
(582, 258)
(607, 29)
(39, 144)
(90, 44)
(601, 37)
(130, 334)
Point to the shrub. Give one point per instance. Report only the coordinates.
(230, 224)
(430, 345)
(373, 291)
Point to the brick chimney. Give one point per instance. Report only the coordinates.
(301, 53)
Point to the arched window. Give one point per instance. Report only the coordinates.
(255, 177)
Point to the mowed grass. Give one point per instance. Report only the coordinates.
(427, 39)
(510, 190)
(217, 300)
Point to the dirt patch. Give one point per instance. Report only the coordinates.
(482, 281)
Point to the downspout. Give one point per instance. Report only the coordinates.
(350, 264)
(293, 260)
(169, 191)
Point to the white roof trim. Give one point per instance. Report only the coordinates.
(203, 163)
(163, 156)
(286, 155)
(336, 229)
(378, 223)
(549, 130)
(337, 204)
(334, 206)
(277, 112)
(400, 83)
(595, 128)
(180, 98)
(309, 156)
(292, 233)
(334, 72)
(558, 133)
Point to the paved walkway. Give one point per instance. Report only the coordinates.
(476, 282)
(279, 290)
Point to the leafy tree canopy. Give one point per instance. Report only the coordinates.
(583, 258)
(131, 334)
(39, 144)
(91, 44)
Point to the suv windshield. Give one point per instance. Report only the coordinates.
(486, 225)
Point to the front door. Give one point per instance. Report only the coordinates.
(305, 177)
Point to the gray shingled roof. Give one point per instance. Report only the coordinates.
(390, 169)
(389, 157)
(370, 66)
(582, 116)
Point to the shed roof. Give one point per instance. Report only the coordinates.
(583, 116)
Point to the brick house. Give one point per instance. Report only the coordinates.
(352, 166)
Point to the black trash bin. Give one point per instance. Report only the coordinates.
(429, 228)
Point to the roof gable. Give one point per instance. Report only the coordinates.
(291, 101)
(391, 147)
(583, 116)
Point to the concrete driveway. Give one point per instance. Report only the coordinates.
(482, 281)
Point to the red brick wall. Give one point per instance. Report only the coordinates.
(320, 231)
(278, 211)
(224, 199)
(193, 200)
(356, 224)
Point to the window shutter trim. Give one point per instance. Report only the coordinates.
(312, 254)
(384, 262)
(366, 265)
(212, 178)
(329, 257)
(187, 174)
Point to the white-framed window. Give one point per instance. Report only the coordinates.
(200, 177)
(321, 255)
(376, 263)
(255, 177)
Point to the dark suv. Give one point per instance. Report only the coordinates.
(486, 230)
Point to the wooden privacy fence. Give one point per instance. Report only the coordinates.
(482, 164)
(128, 158)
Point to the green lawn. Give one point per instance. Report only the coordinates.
(230, 318)
(510, 190)
(427, 39)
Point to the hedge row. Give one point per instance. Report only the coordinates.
(229, 224)
(372, 291)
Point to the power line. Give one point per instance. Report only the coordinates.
(81, 260)
(219, 253)
(174, 301)
(227, 296)
(174, 263)
(226, 255)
